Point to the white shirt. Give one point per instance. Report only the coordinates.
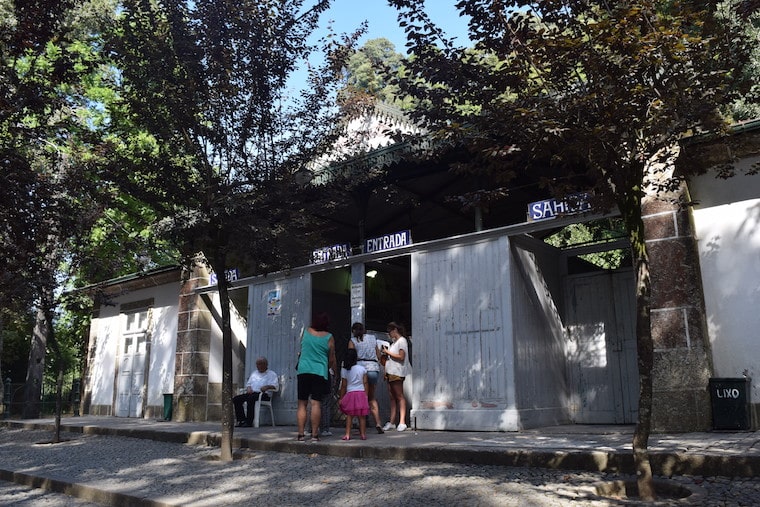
(257, 380)
(394, 366)
(354, 378)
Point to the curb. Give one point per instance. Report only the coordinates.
(80, 491)
(664, 464)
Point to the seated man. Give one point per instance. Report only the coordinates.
(261, 380)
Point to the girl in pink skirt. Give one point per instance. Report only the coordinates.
(353, 394)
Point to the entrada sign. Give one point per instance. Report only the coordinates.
(331, 253)
(552, 208)
(388, 242)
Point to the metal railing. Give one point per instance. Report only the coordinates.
(13, 398)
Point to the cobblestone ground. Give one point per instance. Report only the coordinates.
(191, 476)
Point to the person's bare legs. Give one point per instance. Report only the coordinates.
(397, 392)
(394, 401)
(363, 427)
(301, 416)
(316, 416)
(349, 420)
(374, 408)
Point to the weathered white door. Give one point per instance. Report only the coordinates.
(131, 377)
(601, 324)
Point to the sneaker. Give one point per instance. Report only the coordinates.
(388, 426)
(379, 429)
(401, 427)
(326, 433)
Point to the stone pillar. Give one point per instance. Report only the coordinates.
(682, 364)
(193, 348)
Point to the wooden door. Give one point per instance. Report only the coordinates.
(131, 380)
(602, 347)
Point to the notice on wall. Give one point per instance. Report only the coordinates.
(357, 295)
(274, 303)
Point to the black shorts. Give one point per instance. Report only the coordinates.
(312, 385)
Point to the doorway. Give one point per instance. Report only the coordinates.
(601, 330)
(331, 293)
(131, 378)
(388, 293)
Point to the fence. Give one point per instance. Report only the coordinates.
(13, 398)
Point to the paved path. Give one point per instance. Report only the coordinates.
(99, 464)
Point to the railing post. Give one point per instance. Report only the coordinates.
(75, 392)
(7, 399)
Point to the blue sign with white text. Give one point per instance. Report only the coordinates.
(231, 275)
(552, 208)
(331, 253)
(388, 242)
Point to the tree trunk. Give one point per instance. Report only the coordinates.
(220, 267)
(631, 210)
(2, 378)
(59, 380)
(36, 369)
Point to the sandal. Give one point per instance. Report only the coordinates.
(315, 438)
(300, 438)
(379, 429)
(345, 437)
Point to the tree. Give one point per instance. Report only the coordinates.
(34, 71)
(52, 184)
(370, 69)
(583, 95)
(208, 136)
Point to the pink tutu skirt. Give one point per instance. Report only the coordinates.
(355, 403)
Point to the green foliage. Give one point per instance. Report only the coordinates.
(741, 20)
(207, 128)
(370, 71)
(594, 233)
(16, 329)
(585, 94)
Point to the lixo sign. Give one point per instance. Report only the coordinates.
(388, 242)
(552, 208)
(727, 393)
(231, 275)
(331, 253)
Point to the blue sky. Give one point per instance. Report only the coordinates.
(382, 19)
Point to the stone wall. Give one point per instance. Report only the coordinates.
(681, 347)
(193, 349)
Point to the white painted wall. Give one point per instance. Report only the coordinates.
(163, 342)
(727, 223)
(274, 332)
(463, 338)
(239, 335)
(542, 389)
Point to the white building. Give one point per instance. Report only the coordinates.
(507, 331)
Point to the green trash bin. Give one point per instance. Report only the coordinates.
(168, 400)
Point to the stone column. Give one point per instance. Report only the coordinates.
(682, 364)
(193, 348)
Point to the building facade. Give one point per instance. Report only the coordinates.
(507, 331)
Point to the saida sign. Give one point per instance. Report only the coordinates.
(552, 208)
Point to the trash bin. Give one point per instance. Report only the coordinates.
(730, 403)
(168, 400)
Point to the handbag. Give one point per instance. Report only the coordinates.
(300, 344)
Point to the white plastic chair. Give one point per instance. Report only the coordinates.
(267, 403)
